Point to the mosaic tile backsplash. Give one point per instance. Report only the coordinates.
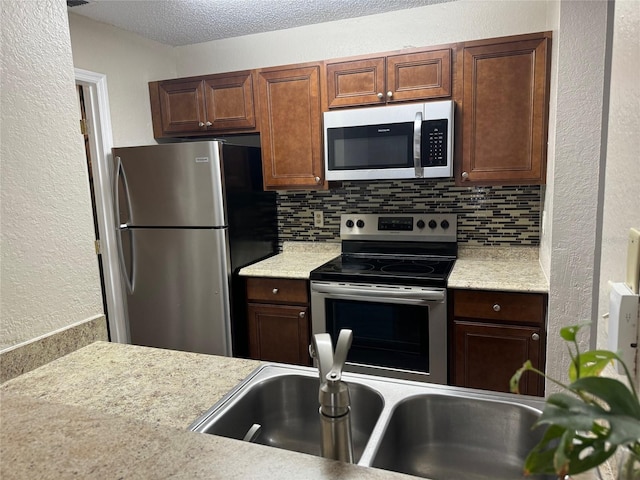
(498, 216)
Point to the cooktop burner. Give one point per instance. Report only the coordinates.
(407, 249)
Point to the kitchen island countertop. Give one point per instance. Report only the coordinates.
(120, 411)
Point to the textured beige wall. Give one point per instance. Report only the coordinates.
(622, 180)
(49, 271)
(570, 242)
(417, 27)
(130, 62)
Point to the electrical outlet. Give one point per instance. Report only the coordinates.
(318, 218)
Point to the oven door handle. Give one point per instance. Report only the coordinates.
(414, 296)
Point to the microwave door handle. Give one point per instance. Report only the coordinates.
(417, 140)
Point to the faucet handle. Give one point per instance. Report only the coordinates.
(321, 349)
(340, 356)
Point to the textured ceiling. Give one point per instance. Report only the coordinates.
(185, 22)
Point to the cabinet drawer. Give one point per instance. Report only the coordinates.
(277, 290)
(500, 306)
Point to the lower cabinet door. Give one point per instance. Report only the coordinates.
(487, 356)
(279, 333)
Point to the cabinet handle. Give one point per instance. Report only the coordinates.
(301, 314)
(317, 179)
(201, 124)
(380, 95)
(465, 176)
(497, 308)
(535, 337)
(275, 291)
(389, 94)
(208, 124)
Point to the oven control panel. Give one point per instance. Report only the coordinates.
(441, 227)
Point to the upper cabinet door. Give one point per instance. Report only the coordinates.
(356, 82)
(229, 101)
(182, 108)
(417, 76)
(290, 124)
(394, 78)
(505, 111)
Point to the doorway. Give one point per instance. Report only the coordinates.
(94, 111)
(80, 91)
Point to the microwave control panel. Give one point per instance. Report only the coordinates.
(434, 142)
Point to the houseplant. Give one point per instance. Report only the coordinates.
(590, 420)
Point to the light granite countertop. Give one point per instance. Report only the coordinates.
(296, 260)
(484, 268)
(515, 269)
(121, 411)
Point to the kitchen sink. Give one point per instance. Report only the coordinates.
(286, 408)
(424, 429)
(445, 437)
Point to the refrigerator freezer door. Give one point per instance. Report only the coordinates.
(170, 185)
(180, 290)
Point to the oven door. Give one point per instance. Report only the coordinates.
(398, 331)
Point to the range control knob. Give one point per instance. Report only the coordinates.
(433, 224)
(349, 223)
(444, 224)
(420, 224)
(359, 224)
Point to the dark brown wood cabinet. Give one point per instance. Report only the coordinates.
(494, 333)
(279, 323)
(291, 127)
(505, 98)
(203, 105)
(387, 79)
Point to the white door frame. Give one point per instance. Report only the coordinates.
(100, 144)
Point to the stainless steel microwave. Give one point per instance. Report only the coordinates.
(399, 141)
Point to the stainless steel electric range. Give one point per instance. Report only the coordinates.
(389, 287)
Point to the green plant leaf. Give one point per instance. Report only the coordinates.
(582, 453)
(514, 383)
(591, 363)
(615, 393)
(540, 458)
(569, 412)
(569, 333)
(563, 452)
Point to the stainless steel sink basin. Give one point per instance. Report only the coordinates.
(286, 408)
(434, 431)
(446, 437)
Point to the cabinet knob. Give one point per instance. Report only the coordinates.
(201, 124)
(497, 308)
(535, 337)
(465, 176)
(380, 95)
(275, 291)
(389, 94)
(317, 179)
(208, 124)
(301, 314)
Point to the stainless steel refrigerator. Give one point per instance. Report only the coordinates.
(189, 216)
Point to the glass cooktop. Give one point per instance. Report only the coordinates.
(396, 270)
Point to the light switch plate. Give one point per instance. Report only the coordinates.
(633, 261)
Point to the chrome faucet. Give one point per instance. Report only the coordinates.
(335, 403)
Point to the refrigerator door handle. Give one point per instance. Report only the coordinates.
(129, 278)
